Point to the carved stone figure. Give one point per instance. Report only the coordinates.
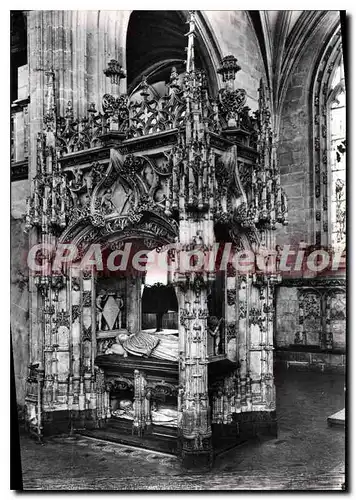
(99, 309)
(116, 347)
(161, 415)
(144, 344)
(125, 410)
(214, 330)
(77, 182)
(106, 202)
(120, 304)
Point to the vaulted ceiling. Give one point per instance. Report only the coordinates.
(156, 41)
(283, 36)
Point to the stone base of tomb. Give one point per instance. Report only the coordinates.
(65, 421)
(337, 419)
(156, 438)
(256, 423)
(196, 459)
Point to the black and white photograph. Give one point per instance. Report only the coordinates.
(178, 271)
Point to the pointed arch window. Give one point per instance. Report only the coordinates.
(329, 147)
(337, 124)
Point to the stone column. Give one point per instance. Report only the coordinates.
(192, 291)
(74, 287)
(87, 308)
(133, 304)
(242, 337)
(196, 444)
(35, 26)
(268, 381)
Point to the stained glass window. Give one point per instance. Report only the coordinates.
(338, 158)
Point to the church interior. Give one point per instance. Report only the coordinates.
(178, 249)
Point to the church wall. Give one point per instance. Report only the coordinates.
(293, 153)
(235, 35)
(311, 324)
(296, 166)
(19, 315)
(295, 136)
(77, 46)
(287, 316)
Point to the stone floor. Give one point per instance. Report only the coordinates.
(307, 455)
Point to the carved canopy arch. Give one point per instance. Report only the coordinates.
(128, 202)
(152, 232)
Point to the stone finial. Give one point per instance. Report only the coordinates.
(174, 79)
(144, 87)
(115, 72)
(229, 68)
(190, 64)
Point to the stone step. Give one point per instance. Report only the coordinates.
(206, 482)
(337, 418)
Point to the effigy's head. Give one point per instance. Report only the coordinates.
(124, 404)
(121, 338)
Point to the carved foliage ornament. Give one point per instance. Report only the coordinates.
(86, 299)
(232, 103)
(231, 297)
(87, 333)
(62, 319)
(256, 317)
(230, 331)
(311, 306)
(75, 312)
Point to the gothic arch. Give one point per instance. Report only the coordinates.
(310, 30)
(319, 101)
(130, 210)
(152, 227)
(295, 127)
(165, 32)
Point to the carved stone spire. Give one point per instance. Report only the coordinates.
(115, 104)
(231, 101)
(50, 118)
(116, 73)
(144, 88)
(173, 81)
(190, 49)
(228, 70)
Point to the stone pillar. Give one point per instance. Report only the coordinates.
(49, 392)
(231, 311)
(133, 304)
(268, 386)
(75, 333)
(242, 336)
(139, 422)
(192, 290)
(88, 305)
(35, 25)
(196, 444)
